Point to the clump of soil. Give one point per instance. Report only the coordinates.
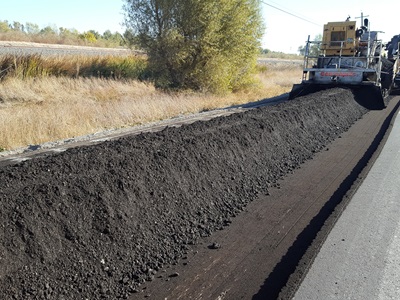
(96, 222)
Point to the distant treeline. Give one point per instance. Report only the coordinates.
(30, 32)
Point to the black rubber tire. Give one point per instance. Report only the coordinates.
(387, 74)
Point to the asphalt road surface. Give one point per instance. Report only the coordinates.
(361, 256)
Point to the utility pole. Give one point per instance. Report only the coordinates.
(362, 18)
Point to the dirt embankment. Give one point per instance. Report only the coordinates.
(96, 222)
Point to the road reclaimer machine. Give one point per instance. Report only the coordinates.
(393, 56)
(347, 56)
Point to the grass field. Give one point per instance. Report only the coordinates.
(44, 106)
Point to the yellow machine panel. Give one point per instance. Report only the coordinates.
(350, 57)
(339, 38)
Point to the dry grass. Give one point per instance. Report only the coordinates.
(37, 110)
(37, 66)
(278, 77)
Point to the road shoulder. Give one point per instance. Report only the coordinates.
(360, 258)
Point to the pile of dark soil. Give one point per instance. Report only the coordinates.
(96, 222)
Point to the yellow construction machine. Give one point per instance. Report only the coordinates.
(346, 56)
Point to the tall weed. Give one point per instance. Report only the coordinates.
(51, 98)
(37, 66)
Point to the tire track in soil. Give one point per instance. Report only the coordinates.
(105, 221)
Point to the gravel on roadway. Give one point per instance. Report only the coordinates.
(96, 222)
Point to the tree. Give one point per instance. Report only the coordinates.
(88, 36)
(49, 30)
(199, 44)
(4, 26)
(32, 28)
(314, 47)
(17, 26)
(264, 51)
(68, 33)
(114, 38)
(129, 38)
(107, 35)
(95, 34)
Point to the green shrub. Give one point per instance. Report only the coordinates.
(202, 45)
(130, 67)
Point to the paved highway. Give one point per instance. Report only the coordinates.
(361, 257)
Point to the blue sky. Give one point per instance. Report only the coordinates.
(82, 15)
(284, 32)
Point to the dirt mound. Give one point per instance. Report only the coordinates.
(95, 222)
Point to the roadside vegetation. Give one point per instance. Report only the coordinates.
(54, 98)
(266, 53)
(49, 98)
(206, 45)
(30, 32)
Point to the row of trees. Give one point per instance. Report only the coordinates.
(31, 31)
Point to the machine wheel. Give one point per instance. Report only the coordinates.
(387, 74)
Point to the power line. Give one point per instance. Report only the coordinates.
(279, 5)
(289, 13)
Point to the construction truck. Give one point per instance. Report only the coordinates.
(393, 56)
(346, 56)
